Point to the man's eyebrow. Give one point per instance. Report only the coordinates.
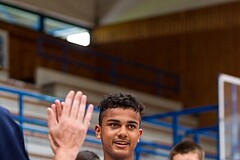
(133, 122)
(112, 120)
(117, 121)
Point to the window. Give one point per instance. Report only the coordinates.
(71, 33)
(19, 17)
(57, 28)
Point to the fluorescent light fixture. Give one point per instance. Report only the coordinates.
(79, 38)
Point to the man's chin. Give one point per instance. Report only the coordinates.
(122, 153)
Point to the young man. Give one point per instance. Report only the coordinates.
(187, 150)
(118, 128)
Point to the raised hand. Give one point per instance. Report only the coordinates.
(68, 123)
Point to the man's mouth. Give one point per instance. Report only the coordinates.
(121, 143)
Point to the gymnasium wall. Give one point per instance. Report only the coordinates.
(196, 44)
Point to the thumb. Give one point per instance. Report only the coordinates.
(52, 144)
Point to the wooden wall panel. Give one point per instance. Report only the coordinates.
(22, 53)
(197, 45)
(24, 56)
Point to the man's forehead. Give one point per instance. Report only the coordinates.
(186, 156)
(120, 110)
(120, 113)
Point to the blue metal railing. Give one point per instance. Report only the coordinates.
(143, 146)
(112, 71)
(21, 94)
(179, 131)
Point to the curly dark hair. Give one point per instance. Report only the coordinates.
(119, 100)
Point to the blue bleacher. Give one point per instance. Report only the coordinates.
(144, 148)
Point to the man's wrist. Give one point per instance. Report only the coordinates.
(65, 154)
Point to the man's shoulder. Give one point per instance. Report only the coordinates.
(4, 113)
(4, 110)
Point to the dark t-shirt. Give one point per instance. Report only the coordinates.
(11, 138)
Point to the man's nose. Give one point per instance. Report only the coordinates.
(122, 132)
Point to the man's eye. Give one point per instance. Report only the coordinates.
(132, 126)
(114, 125)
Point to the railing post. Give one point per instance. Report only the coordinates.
(20, 112)
(196, 138)
(175, 129)
(138, 151)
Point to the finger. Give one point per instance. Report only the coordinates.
(81, 110)
(62, 104)
(88, 115)
(52, 121)
(68, 103)
(53, 106)
(76, 105)
(58, 109)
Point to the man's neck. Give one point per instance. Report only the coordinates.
(118, 158)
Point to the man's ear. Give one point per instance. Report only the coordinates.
(98, 131)
(140, 134)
